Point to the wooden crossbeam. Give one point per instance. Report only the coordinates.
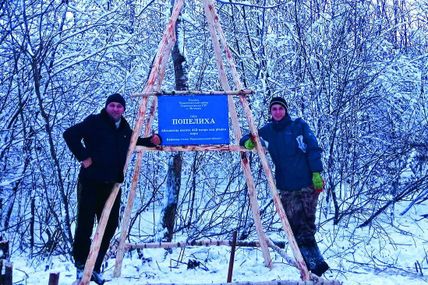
(189, 92)
(235, 148)
(273, 282)
(198, 243)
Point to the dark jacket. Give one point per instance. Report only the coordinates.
(294, 151)
(97, 137)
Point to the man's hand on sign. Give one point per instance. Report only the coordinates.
(87, 162)
(155, 139)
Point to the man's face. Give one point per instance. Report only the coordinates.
(278, 112)
(115, 110)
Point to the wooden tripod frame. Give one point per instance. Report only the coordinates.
(151, 90)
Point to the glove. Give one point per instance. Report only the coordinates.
(318, 182)
(156, 139)
(249, 144)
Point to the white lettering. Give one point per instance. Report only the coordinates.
(194, 121)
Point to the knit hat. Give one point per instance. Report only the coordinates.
(116, 97)
(278, 100)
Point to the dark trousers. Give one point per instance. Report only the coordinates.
(91, 198)
(300, 208)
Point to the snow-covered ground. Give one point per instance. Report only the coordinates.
(358, 256)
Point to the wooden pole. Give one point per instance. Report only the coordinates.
(96, 242)
(277, 247)
(190, 93)
(127, 215)
(226, 49)
(132, 192)
(93, 253)
(277, 201)
(154, 83)
(232, 258)
(229, 148)
(237, 132)
(202, 243)
(274, 282)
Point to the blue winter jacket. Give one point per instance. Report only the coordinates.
(294, 151)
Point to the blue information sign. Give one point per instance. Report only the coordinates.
(193, 119)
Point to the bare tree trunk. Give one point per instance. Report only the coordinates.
(32, 222)
(66, 230)
(175, 165)
(193, 192)
(173, 189)
(131, 11)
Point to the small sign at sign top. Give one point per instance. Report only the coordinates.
(193, 119)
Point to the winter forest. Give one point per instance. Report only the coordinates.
(355, 70)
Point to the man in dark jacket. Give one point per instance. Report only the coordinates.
(297, 158)
(101, 144)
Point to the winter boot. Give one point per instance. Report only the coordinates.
(314, 259)
(97, 277)
(79, 273)
(79, 270)
(320, 268)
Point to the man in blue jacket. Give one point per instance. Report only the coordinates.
(101, 144)
(297, 158)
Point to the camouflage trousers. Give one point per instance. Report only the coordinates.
(300, 208)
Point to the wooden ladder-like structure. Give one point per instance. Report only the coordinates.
(151, 90)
